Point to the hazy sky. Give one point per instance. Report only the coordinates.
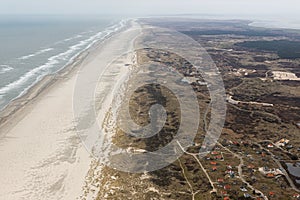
(279, 8)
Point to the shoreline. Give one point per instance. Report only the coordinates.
(29, 96)
(43, 153)
(18, 104)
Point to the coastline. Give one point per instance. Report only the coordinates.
(47, 81)
(71, 154)
(42, 151)
(16, 106)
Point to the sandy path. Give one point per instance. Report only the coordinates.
(41, 155)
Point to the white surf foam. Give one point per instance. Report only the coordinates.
(35, 54)
(39, 72)
(5, 68)
(73, 38)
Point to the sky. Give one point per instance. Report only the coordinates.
(278, 8)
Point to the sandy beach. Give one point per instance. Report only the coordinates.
(42, 155)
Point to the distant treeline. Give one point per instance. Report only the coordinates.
(285, 49)
(230, 32)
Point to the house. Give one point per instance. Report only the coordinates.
(270, 173)
(226, 198)
(246, 195)
(207, 158)
(270, 145)
(251, 166)
(271, 194)
(236, 143)
(220, 180)
(214, 169)
(214, 153)
(227, 187)
(297, 196)
(282, 143)
(230, 173)
(213, 163)
(219, 157)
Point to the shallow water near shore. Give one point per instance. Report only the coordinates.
(34, 46)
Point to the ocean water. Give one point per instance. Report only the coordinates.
(265, 21)
(35, 46)
(285, 24)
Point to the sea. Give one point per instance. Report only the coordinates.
(35, 46)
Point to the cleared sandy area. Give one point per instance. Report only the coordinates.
(230, 99)
(42, 155)
(278, 75)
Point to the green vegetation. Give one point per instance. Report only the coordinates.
(285, 49)
(230, 32)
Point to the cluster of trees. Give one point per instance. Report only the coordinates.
(285, 49)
